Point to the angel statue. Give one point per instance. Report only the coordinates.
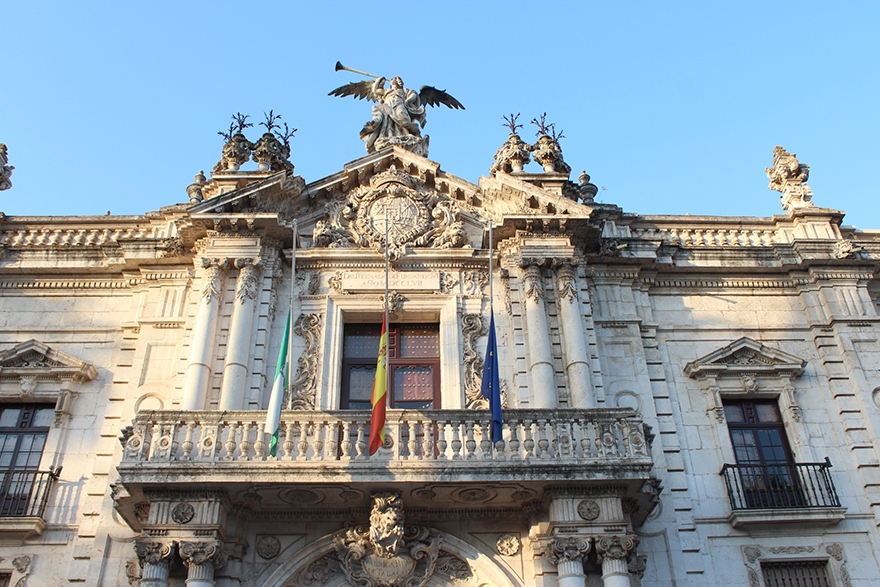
(399, 113)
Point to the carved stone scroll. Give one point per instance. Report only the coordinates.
(304, 385)
(472, 328)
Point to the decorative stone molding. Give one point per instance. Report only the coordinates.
(268, 547)
(508, 545)
(847, 249)
(754, 555)
(472, 328)
(588, 510)
(533, 282)
(132, 571)
(304, 385)
(387, 554)
(474, 282)
(43, 374)
(183, 513)
(616, 547)
(5, 168)
(419, 217)
(755, 367)
(247, 285)
(201, 553)
(566, 279)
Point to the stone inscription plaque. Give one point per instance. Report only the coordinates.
(397, 280)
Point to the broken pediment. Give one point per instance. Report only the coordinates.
(746, 355)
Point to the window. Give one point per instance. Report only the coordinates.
(413, 365)
(795, 574)
(23, 432)
(767, 475)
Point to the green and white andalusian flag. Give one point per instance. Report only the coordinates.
(273, 414)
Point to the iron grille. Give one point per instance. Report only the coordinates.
(795, 574)
(784, 485)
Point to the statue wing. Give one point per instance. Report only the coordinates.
(360, 90)
(431, 96)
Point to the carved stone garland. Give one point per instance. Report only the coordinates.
(418, 217)
(472, 328)
(304, 385)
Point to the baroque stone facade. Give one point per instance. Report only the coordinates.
(688, 400)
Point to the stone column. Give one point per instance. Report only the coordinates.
(577, 358)
(568, 554)
(198, 372)
(543, 380)
(155, 561)
(613, 553)
(238, 346)
(200, 559)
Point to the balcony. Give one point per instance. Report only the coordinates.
(441, 458)
(23, 497)
(787, 492)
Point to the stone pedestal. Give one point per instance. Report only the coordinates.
(238, 348)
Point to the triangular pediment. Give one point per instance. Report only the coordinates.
(745, 355)
(431, 208)
(35, 359)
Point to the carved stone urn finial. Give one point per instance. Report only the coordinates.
(546, 150)
(194, 190)
(272, 151)
(513, 155)
(789, 176)
(586, 189)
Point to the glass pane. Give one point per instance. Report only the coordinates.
(767, 412)
(43, 417)
(414, 386)
(9, 417)
(772, 446)
(420, 341)
(360, 384)
(745, 446)
(734, 413)
(361, 341)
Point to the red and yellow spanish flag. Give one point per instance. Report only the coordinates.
(378, 400)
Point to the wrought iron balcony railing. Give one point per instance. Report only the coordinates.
(780, 486)
(597, 436)
(24, 493)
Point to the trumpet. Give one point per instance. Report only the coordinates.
(339, 67)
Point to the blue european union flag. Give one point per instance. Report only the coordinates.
(491, 388)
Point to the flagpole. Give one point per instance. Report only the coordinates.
(290, 308)
(491, 297)
(386, 292)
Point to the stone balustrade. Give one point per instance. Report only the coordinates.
(446, 439)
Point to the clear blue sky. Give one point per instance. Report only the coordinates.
(674, 107)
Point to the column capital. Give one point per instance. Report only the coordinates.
(616, 547)
(568, 549)
(154, 552)
(200, 553)
(247, 278)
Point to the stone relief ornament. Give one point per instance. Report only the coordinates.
(268, 547)
(212, 279)
(183, 513)
(475, 282)
(846, 249)
(247, 286)
(752, 553)
(573, 548)
(132, 572)
(588, 510)
(21, 563)
(153, 553)
(749, 382)
(508, 545)
(566, 280)
(5, 168)
(304, 385)
(387, 554)
(789, 176)
(398, 114)
(533, 282)
(447, 282)
(28, 386)
(417, 217)
(472, 328)
(142, 512)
